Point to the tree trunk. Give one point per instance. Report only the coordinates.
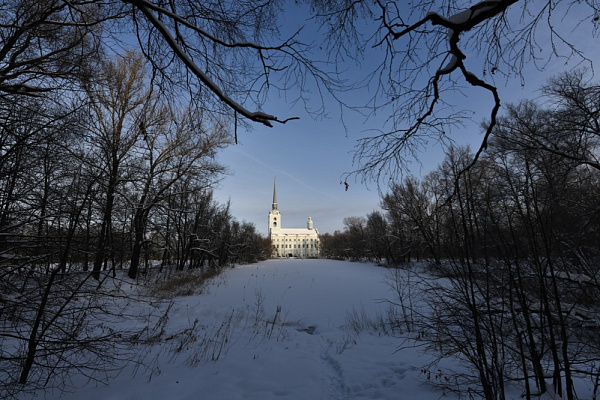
(32, 342)
(106, 222)
(136, 251)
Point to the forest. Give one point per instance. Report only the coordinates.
(517, 235)
(112, 113)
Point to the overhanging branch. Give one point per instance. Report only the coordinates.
(180, 53)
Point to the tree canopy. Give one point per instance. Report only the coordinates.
(229, 56)
(438, 61)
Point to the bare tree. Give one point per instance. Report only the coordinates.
(356, 240)
(116, 108)
(376, 230)
(432, 54)
(230, 55)
(411, 201)
(517, 263)
(572, 104)
(46, 45)
(174, 144)
(225, 55)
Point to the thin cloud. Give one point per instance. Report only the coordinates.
(282, 172)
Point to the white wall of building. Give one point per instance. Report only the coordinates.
(299, 242)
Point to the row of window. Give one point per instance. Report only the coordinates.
(291, 240)
(294, 246)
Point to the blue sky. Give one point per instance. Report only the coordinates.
(308, 157)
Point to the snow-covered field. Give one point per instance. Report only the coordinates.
(278, 330)
(308, 353)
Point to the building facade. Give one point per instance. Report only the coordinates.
(291, 242)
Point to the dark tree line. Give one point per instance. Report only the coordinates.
(88, 183)
(110, 177)
(107, 163)
(513, 243)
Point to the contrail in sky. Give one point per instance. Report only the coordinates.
(285, 173)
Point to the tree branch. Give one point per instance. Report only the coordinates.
(257, 116)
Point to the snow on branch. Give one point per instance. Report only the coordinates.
(456, 24)
(465, 21)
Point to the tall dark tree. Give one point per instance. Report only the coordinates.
(516, 254)
(173, 144)
(376, 230)
(117, 105)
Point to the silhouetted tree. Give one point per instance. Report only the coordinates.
(117, 105)
(423, 57)
(174, 144)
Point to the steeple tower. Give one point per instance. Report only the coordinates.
(274, 207)
(274, 214)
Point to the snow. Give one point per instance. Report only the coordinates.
(278, 330)
(308, 353)
(451, 66)
(470, 13)
(458, 19)
(298, 231)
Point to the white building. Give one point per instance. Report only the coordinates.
(291, 242)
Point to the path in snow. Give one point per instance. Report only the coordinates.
(307, 354)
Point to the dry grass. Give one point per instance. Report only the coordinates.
(184, 283)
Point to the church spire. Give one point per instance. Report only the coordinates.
(274, 215)
(274, 207)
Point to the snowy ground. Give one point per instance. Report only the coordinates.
(309, 353)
